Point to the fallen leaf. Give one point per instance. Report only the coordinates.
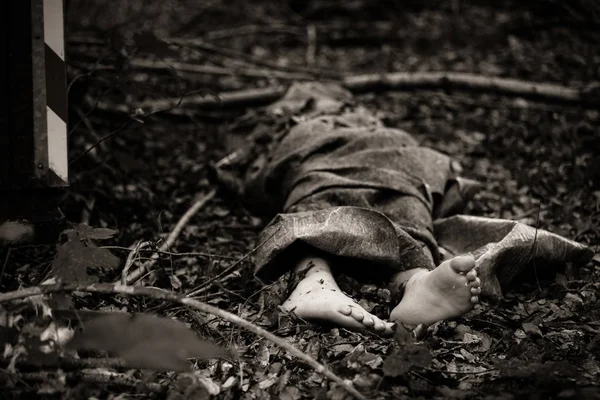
(89, 232)
(406, 358)
(74, 256)
(572, 301)
(267, 383)
(290, 393)
(532, 328)
(403, 336)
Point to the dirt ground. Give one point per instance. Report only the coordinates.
(540, 162)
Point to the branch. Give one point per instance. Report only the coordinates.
(167, 244)
(195, 304)
(241, 98)
(379, 82)
(215, 70)
(69, 363)
(237, 55)
(464, 81)
(90, 377)
(174, 254)
(245, 30)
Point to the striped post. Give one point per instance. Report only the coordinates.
(33, 109)
(56, 92)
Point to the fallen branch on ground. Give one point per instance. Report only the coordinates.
(159, 294)
(379, 82)
(193, 69)
(70, 363)
(464, 81)
(215, 70)
(174, 254)
(238, 55)
(127, 277)
(90, 377)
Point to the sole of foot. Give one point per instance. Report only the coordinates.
(449, 291)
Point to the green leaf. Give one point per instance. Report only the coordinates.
(146, 341)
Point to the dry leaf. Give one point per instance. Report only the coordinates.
(89, 232)
(75, 256)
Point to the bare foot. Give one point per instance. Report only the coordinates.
(449, 291)
(317, 297)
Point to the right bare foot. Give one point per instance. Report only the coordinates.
(449, 291)
(317, 297)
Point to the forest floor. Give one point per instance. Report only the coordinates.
(540, 163)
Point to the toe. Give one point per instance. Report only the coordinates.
(471, 275)
(463, 263)
(474, 299)
(475, 283)
(368, 321)
(476, 291)
(346, 310)
(379, 325)
(357, 314)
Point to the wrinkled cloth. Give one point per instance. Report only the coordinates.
(330, 175)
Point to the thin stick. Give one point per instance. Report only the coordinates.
(5, 263)
(92, 377)
(159, 294)
(215, 70)
(237, 55)
(253, 30)
(174, 253)
(131, 258)
(183, 221)
(378, 82)
(463, 81)
(205, 285)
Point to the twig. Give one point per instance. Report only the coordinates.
(393, 81)
(463, 81)
(99, 142)
(237, 55)
(487, 371)
(245, 30)
(201, 202)
(195, 304)
(215, 70)
(75, 363)
(5, 263)
(175, 254)
(205, 285)
(93, 377)
(228, 99)
(131, 258)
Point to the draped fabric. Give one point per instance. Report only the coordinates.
(330, 175)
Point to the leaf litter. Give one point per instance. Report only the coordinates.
(538, 161)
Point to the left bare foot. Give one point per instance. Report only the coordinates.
(449, 291)
(317, 297)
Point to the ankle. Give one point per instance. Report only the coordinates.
(310, 264)
(401, 280)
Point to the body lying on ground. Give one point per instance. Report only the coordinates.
(345, 194)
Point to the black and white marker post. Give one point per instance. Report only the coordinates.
(33, 118)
